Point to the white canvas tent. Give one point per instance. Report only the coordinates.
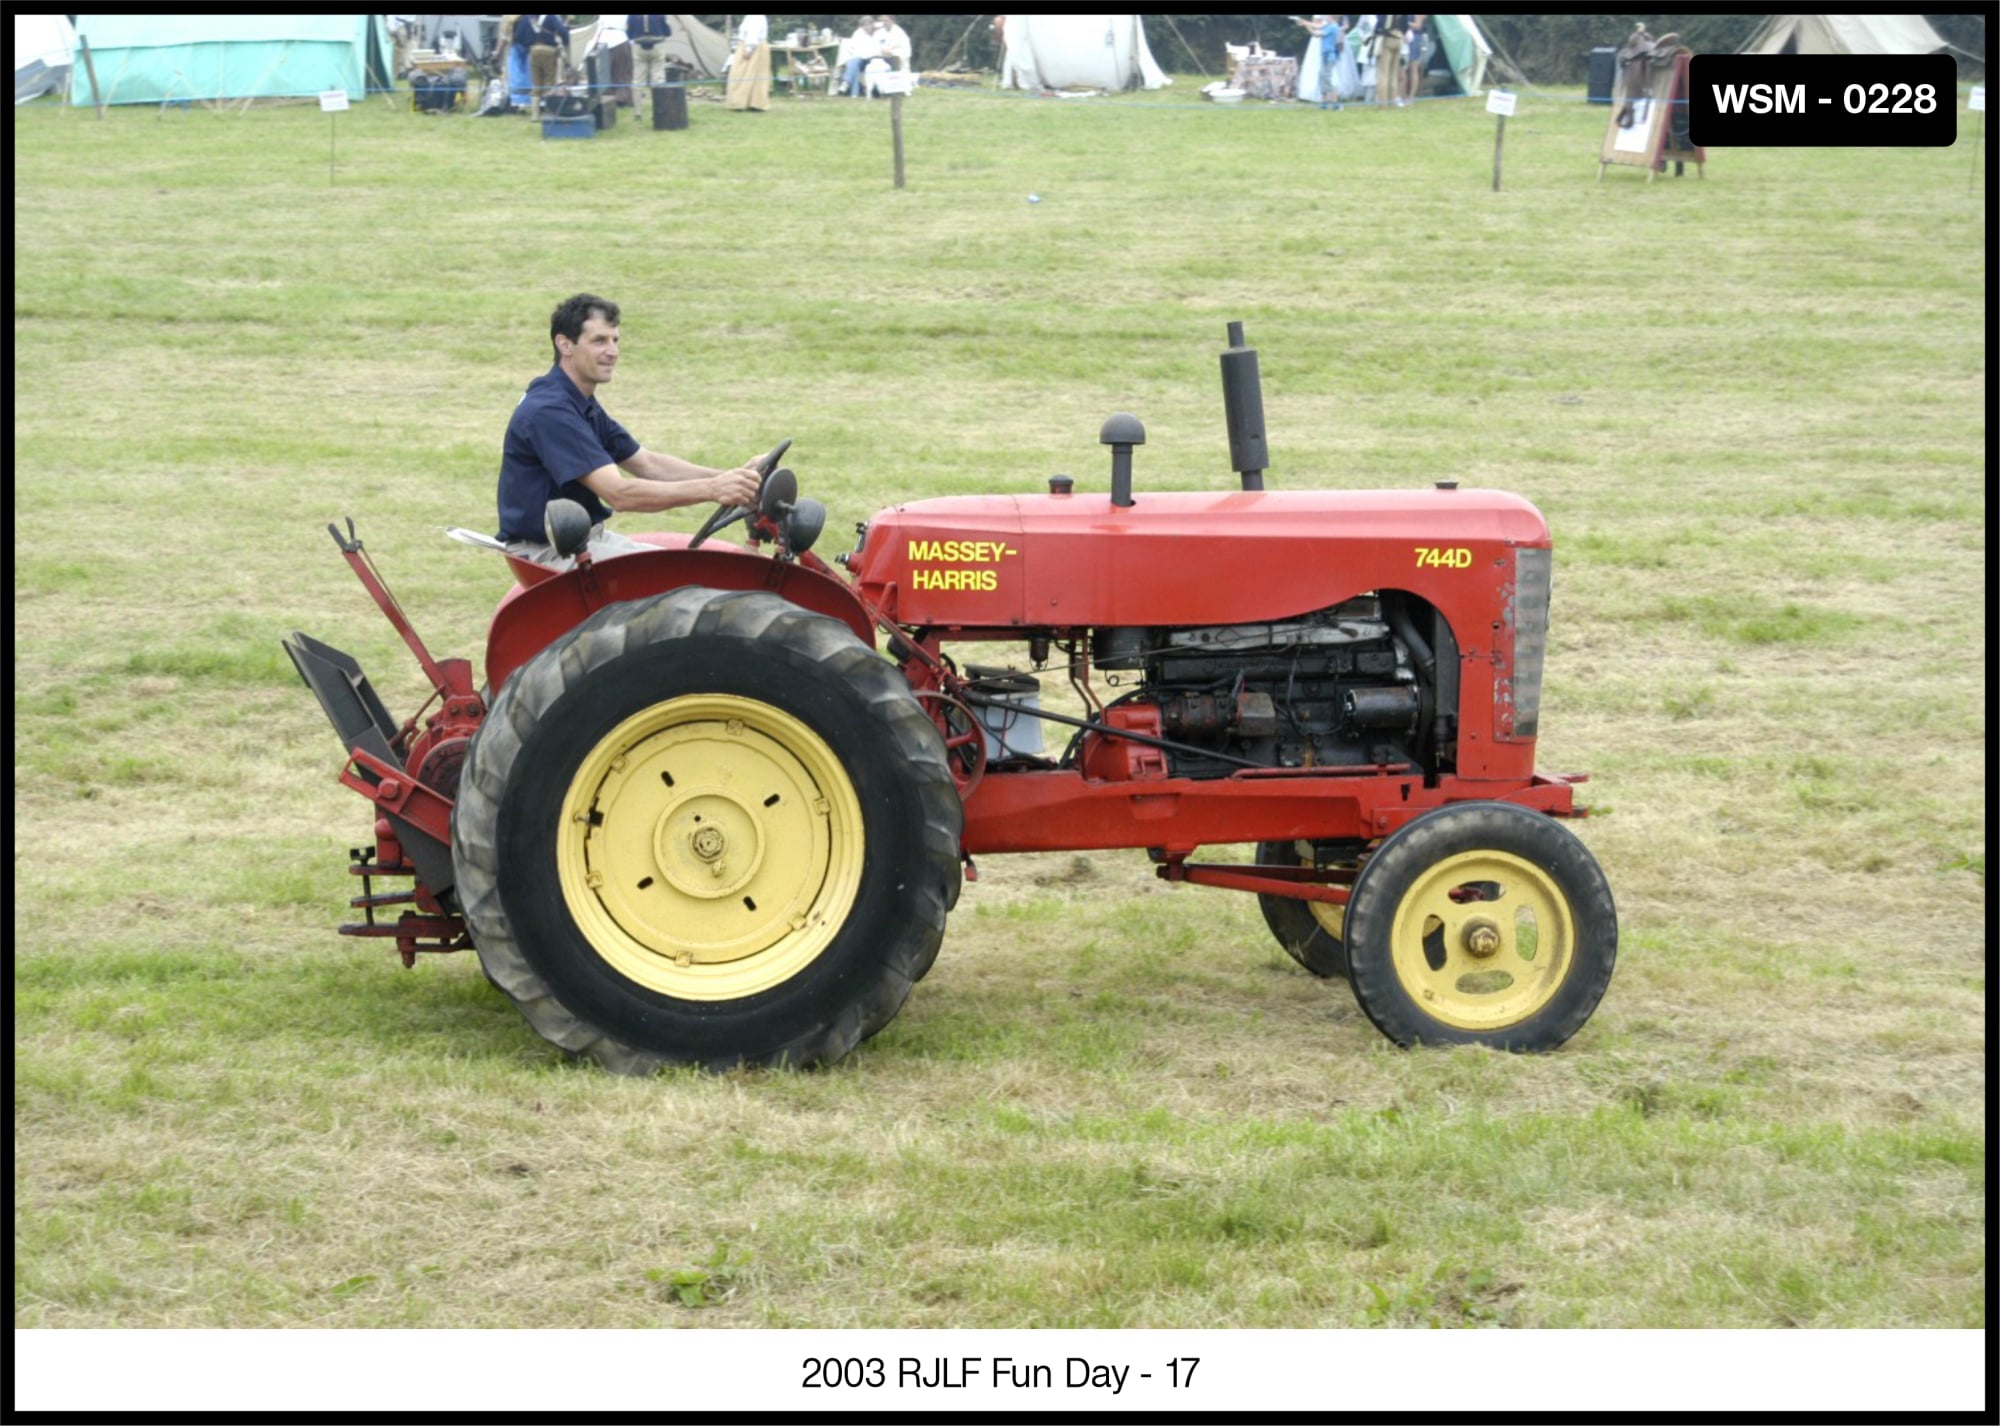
(692, 45)
(1845, 34)
(43, 46)
(1077, 52)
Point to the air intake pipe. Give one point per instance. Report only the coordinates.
(1121, 433)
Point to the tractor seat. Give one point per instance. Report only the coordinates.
(526, 572)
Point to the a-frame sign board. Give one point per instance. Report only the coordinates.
(1649, 129)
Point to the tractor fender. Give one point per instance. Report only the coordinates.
(533, 616)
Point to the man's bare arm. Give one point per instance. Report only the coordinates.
(667, 482)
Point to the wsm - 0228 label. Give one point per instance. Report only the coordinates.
(1822, 101)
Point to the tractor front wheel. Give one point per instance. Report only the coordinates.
(707, 828)
(1481, 923)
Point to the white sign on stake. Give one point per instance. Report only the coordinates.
(333, 101)
(1978, 101)
(1500, 102)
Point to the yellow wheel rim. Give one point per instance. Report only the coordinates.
(1483, 940)
(711, 847)
(1331, 915)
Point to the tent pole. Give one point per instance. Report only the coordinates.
(952, 53)
(1185, 45)
(90, 68)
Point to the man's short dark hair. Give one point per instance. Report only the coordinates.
(568, 318)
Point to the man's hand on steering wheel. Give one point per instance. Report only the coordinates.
(743, 487)
(738, 487)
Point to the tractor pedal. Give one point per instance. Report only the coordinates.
(971, 871)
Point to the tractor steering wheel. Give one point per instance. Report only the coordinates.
(725, 515)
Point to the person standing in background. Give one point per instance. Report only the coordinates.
(1361, 45)
(1417, 50)
(403, 35)
(1389, 59)
(510, 57)
(648, 34)
(547, 35)
(1315, 65)
(1346, 71)
(749, 82)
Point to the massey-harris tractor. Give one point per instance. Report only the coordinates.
(711, 804)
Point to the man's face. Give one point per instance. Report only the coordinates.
(595, 352)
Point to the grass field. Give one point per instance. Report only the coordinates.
(1751, 406)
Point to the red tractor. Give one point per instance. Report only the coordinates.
(696, 815)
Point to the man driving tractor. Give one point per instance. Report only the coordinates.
(562, 445)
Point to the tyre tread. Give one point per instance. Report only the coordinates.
(745, 615)
(1445, 832)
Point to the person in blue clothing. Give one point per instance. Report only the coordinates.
(562, 445)
(1319, 67)
(1418, 49)
(510, 57)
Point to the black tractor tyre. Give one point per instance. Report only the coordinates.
(1310, 931)
(707, 828)
(1481, 923)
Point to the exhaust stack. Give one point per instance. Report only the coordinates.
(1243, 410)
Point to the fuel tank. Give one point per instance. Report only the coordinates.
(1190, 558)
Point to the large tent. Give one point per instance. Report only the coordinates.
(1077, 52)
(691, 44)
(1845, 34)
(149, 59)
(1464, 49)
(42, 53)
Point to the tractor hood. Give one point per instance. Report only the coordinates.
(1178, 557)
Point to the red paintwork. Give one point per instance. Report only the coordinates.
(530, 618)
(1194, 558)
(1121, 759)
(1259, 880)
(394, 790)
(1063, 811)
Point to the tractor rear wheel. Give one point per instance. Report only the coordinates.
(1481, 923)
(1310, 931)
(707, 828)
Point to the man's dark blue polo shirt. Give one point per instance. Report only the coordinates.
(557, 436)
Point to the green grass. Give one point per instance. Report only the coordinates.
(1751, 405)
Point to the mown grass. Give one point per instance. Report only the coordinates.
(1752, 407)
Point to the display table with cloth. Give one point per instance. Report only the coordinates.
(1265, 76)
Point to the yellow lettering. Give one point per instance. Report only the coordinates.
(983, 581)
(961, 552)
(1431, 557)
